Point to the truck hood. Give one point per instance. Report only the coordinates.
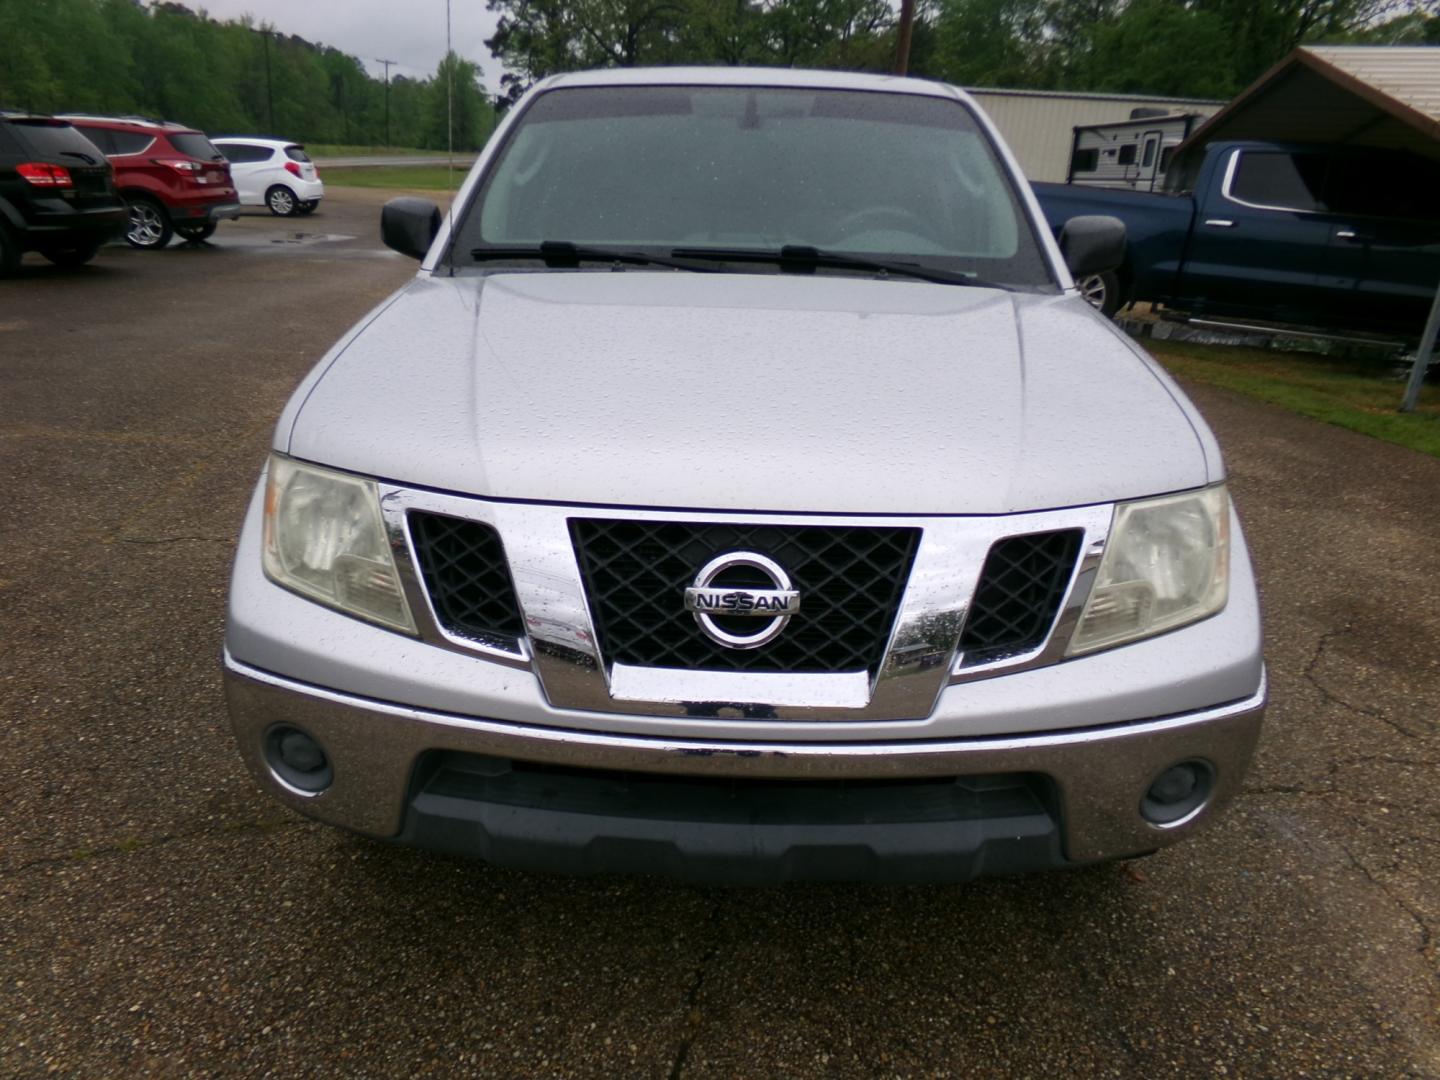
(748, 392)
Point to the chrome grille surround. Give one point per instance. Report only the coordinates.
(920, 658)
(467, 577)
(1021, 588)
(850, 581)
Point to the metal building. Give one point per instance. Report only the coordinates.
(1040, 125)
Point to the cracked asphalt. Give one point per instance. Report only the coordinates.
(159, 916)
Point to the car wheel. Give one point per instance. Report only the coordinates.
(194, 233)
(281, 201)
(76, 255)
(9, 253)
(309, 205)
(1102, 292)
(149, 226)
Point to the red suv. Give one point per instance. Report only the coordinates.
(171, 177)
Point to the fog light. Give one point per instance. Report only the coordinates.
(1178, 793)
(300, 752)
(297, 760)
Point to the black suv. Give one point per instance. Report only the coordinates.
(57, 192)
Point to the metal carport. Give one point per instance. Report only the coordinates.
(1358, 95)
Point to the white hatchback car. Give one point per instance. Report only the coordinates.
(273, 173)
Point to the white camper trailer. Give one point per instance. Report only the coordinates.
(1040, 124)
(1130, 153)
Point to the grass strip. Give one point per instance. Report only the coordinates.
(1361, 394)
(408, 177)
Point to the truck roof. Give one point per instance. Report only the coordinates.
(753, 76)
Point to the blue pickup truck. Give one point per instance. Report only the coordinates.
(1322, 237)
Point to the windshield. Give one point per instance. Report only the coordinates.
(899, 177)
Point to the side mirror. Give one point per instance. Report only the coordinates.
(1091, 244)
(408, 225)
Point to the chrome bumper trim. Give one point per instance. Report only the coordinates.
(921, 656)
(1099, 773)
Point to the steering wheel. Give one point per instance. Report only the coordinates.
(882, 217)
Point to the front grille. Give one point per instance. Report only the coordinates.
(465, 572)
(850, 580)
(1019, 594)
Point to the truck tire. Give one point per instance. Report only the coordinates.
(1102, 292)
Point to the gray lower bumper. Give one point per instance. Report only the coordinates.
(219, 212)
(1098, 775)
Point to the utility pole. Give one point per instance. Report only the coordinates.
(902, 44)
(449, 98)
(387, 64)
(269, 91)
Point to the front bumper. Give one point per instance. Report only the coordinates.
(1094, 777)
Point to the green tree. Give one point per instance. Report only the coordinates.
(726, 32)
(1416, 27)
(1209, 48)
(536, 38)
(1160, 47)
(166, 60)
(988, 43)
(456, 99)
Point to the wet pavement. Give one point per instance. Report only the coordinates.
(160, 916)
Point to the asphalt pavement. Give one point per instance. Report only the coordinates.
(160, 916)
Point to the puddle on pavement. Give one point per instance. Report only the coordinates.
(293, 239)
(255, 242)
(271, 241)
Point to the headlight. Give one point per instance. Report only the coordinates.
(1166, 563)
(325, 539)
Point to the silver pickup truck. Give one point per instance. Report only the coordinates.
(741, 490)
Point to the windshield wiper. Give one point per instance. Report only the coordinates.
(564, 254)
(798, 257)
(83, 157)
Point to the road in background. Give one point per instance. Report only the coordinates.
(464, 160)
(160, 916)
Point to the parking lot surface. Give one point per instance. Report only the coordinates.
(160, 916)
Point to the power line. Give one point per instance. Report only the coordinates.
(387, 64)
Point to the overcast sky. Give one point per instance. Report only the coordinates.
(411, 32)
